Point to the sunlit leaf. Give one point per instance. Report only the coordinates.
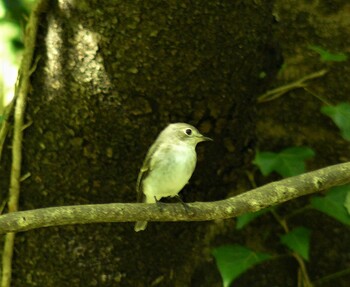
(298, 240)
(288, 162)
(340, 114)
(233, 260)
(334, 203)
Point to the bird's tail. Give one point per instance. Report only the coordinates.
(141, 225)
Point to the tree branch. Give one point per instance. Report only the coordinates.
(279, 91)
(21, 92)
(253, 200)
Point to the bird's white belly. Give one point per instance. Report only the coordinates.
(170, 175)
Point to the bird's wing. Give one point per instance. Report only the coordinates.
(142, 175)
(145, 169)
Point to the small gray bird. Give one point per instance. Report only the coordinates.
(168, 165)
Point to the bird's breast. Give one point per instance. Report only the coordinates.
(170, 174)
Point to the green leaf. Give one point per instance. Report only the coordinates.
(288, 162)
(244, 219)
(340, 114)
(266, 161)
(347, 202)
(293, 160)
(327, 56)
(334, 203)
(298, 240)
(233, 260)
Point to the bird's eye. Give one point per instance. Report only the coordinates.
(188, 132)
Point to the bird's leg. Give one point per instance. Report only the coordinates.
(159, 204)
(184, 204)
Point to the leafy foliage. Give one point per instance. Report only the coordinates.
(334, 203)
(347, 202)
(13, 15)
(233, 260)
(298, 240)
(340, 114)
(288, 162)
(327, 56)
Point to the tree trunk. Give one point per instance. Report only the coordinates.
(111, 75)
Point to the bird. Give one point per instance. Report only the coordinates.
(168, 165)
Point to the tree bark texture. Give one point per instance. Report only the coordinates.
(110, 76)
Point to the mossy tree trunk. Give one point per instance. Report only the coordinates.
(111, 75)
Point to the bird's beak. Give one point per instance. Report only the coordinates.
(203, 138)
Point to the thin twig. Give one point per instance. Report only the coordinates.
(304, 276)
(253, 200)
(320, 98)
(280, 220)
(22, 90)
(341, 273)
(4, 128)
(305, 279)
(301, 83)
(5, 125)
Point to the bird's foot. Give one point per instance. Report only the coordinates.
(185, 205)
(160, 204)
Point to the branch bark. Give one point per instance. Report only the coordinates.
(253, 200)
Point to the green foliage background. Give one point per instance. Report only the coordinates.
(13, 17)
